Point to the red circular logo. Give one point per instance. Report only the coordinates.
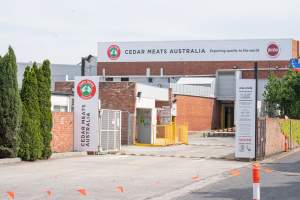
(273, 50)
(113, 52)
(86, 89)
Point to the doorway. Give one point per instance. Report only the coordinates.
(143, 125)
(227, 115)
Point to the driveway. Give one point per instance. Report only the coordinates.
(107, 177)
(198, 147)
(164, 170)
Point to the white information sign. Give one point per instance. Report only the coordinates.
(86, 116)
(245, 119)
(164, 115)
(197, 50)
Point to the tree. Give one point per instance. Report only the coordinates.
(292, 94)
(30, 132)
(271, 95)
(10, 106)
(283, 95)
(44, 84)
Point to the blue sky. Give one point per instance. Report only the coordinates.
(65, 30)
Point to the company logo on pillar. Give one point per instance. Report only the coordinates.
(113, 52)
(86, 89)
(273, 50)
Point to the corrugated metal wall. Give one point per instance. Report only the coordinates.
(193, 90)
(225, 88)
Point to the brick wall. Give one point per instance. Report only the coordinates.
(274, 138)
(264, 74)
(64, 86)
(118, 96)
(179, 68)
(295, 49)
(62, 132)
(121, 96)
(196, 111)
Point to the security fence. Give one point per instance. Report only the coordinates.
(110, 130)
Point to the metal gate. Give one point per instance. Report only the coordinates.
(261, 138)
(110, 130)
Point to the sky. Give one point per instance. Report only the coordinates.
(66, 30)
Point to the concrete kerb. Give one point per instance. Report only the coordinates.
(279, 156)
(6, 161)
(170, 156)
(215, 178)
(67, 155)
(194, 186)
(9, 161)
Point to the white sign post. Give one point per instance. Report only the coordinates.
(86, 116)
(245, 119)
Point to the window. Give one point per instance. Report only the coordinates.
(72, 106)
(59, 108)
(109, 79)
(148, 73)
(124, 79)
(150, 80)
(161, 71)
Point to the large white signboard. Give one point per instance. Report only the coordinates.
(245, 119)
(199, 50)
(86, 96)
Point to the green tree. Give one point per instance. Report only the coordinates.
(292, 94)
(44, 84)
(271, 95)
(10, 106)
(31, 117)
(283, 95)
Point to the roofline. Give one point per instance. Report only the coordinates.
(195, 40)
(259, 69)
(61, 93)
(158, 76)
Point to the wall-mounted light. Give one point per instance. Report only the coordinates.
(235, 67)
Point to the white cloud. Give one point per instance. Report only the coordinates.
(65, 30)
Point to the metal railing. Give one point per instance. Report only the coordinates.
(171, 134)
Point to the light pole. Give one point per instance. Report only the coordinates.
(256, 124)
(83, 60)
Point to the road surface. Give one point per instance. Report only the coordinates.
(279, 180)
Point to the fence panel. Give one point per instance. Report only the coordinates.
(171, 134)
(261, 139)
(110, 130)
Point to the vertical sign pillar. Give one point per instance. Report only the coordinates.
(245, 119)
(86, 97)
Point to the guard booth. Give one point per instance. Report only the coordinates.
(95, 129)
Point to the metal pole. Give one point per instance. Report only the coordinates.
(291, 139)
(82, 66)
(256, 132)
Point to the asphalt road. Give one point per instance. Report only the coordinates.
(279, 180)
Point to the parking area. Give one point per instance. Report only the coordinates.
(198, 147)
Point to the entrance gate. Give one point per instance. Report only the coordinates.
(110, 130)
(261, 139)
